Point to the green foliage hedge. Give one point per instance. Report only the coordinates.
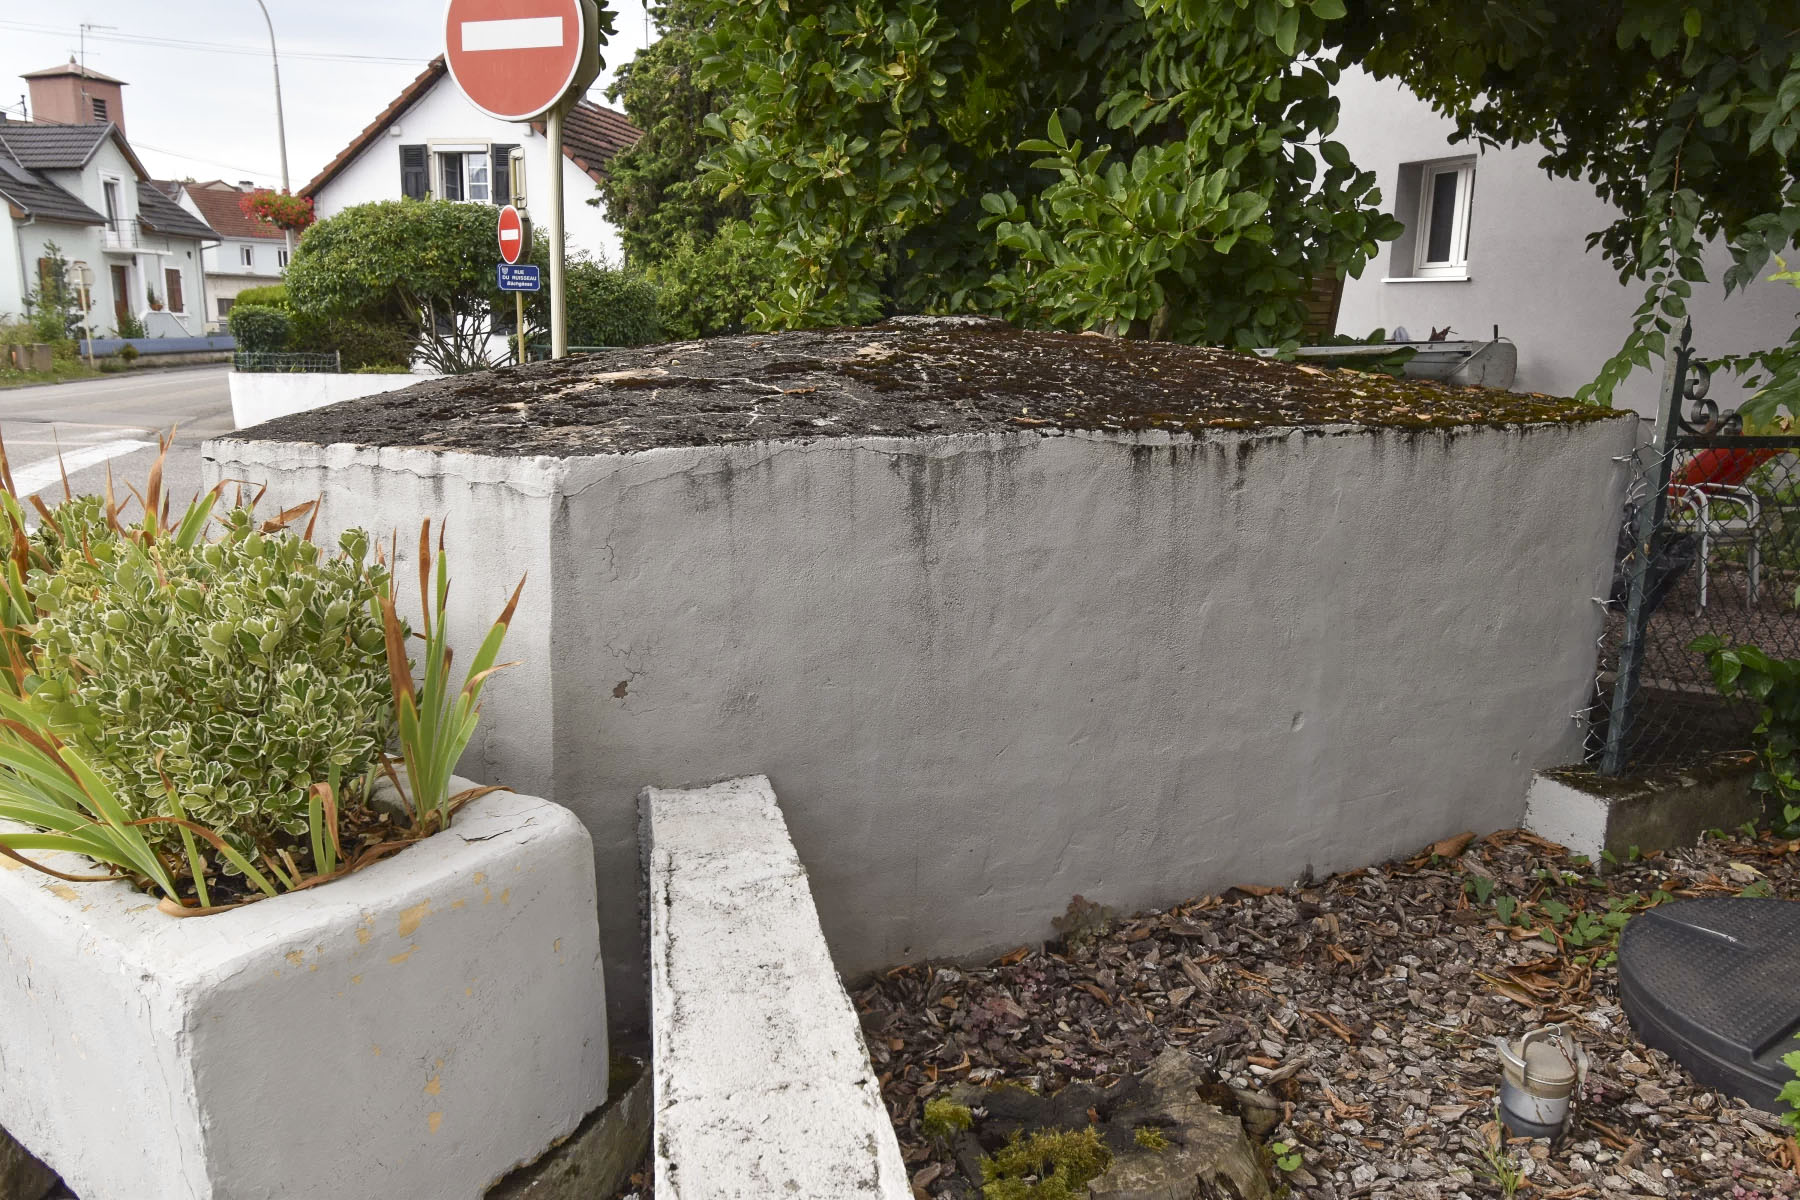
(609, 306)
(711, 286)
(259, 330)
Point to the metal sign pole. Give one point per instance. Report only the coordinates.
(559, 316)
(519, 325)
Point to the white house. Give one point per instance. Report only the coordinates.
(432, 142)
(251, 253)
(77, 184)
(1493, 240)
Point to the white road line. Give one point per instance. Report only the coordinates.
(39, 475)
(517, 33)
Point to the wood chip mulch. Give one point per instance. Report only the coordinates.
(1357, 1013)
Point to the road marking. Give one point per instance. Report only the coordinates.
(517, 33)
(39, 475)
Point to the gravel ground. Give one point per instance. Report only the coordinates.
(1354, 1016)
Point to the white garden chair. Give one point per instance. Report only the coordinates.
(1721, 514)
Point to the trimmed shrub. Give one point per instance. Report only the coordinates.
(610, 307)
(274, 295)
(710, 287)
(361, 341)
(259, 330)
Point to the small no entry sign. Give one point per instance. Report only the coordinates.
(512, 234)
(514, 59)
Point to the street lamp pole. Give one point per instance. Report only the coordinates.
(280, 118)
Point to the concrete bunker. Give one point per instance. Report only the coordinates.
(1005, 616)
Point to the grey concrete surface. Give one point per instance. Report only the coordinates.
(987, 672)
(100, 415)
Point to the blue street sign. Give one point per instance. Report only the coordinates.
(523, 278)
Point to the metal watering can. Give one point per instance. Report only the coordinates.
(1542, 1074)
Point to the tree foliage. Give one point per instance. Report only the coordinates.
(1151, 167)
(1166, 166)
(652, 190)
(710, 286)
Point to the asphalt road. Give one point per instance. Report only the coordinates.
(114, 422)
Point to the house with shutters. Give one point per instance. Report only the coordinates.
(431, 142)
(69, 178)
(251, 252)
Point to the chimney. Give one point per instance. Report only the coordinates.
(72, 95)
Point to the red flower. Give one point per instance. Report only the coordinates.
(280, 209)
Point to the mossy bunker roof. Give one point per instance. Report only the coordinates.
(907, 377)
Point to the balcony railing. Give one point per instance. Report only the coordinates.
(121, 235)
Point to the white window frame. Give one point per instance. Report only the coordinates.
(247, 257)
(1457, 265)
(463, 152)
(281, 257)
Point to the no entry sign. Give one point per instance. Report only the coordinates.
(512, 234)
(514, 59)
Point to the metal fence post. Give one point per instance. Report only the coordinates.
(1650, 517)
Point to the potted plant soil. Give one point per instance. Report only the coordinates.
(256, 939)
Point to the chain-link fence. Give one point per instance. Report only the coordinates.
(1709, 544)
(303, 364)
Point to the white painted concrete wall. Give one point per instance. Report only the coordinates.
(257, 397)
(1530, 271)
(443, 116)
(417, 1029)
(987, 673)
(762, 1082)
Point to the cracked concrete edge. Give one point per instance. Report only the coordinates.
(22, 1176)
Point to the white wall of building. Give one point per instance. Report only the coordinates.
(12, 268)
(443, 118)
(1529, 270)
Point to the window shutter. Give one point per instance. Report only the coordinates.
(176, 305)
(46, 273)
(415, 173)
(503, 175)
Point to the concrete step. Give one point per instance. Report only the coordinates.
(762, 1081)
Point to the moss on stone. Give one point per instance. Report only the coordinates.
(1151, 1138)
(944, 1119)
(1048, 1164)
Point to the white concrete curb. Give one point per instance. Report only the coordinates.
(763, 1084)
(417, 1029)
(258, 396)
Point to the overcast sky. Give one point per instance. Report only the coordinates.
(207, 110)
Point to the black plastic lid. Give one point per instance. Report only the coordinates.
(1715, 984)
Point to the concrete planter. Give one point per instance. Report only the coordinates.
(416, 1029)
(257, 397)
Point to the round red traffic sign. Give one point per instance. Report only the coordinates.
(514, 59)
(512, 234)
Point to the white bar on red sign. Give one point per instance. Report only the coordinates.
(519, 33)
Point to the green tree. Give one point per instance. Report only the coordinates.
(709, 286)
(1148, 167)
(652, 190)
(429, 262)
(54, 307)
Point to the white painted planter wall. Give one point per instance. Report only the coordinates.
(414, 1030)
(257, 396)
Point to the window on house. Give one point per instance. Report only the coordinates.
(225, 307)
(466, 173)
(281, 258)
(1441, 236)
(99, 110)
(111, 189)
(247, 255)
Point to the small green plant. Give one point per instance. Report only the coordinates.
(1790, 1095)
(436, 718)
(944, 1119)
(130, 327)
(1048, 1164)
(1286, 1155)
(1151, 1138)
(1502, 1170)
(1774, 683)
(128, 354)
